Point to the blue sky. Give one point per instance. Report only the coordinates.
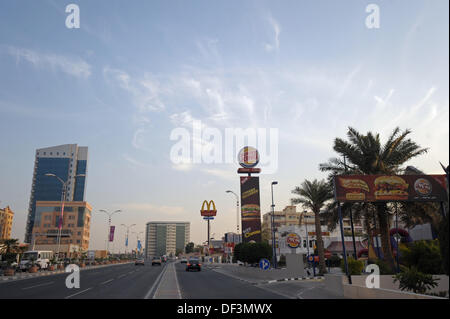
(135, 71)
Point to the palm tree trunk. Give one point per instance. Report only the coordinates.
(384, 233)
(320, 248)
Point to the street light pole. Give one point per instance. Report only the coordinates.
(237, 210)
(126, 241)
(109, 225)
(274, 251)
(306, 226)
(63, 198)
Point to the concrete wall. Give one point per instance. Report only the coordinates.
(387, 282)
(357, 292)
(338, 284)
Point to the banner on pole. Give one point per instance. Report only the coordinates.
(111, 233)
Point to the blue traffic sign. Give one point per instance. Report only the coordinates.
(210, 218)
(264, 264)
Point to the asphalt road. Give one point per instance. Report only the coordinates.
(208, 284)
(118, 281)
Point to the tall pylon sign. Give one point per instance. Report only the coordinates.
(250, 202)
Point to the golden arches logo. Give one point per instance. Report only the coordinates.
(208, 205)
(208, 211)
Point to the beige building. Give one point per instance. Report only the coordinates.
(287, 217)
(6, 220)
(75, 231)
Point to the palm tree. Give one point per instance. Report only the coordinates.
(367, 156)
(9, 248)
(314, 195)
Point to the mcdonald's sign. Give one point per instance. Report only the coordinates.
(208, 212)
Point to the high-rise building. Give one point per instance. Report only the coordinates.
(6, 219)
(65, 161)
(165, 238)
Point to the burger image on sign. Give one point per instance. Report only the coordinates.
(422, 187)
(248, 157)
(251, 212)
(390, 187)
(293, 240)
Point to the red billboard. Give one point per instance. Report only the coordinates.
(250, 209)
(388, 188)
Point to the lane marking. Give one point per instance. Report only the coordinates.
(105, 282)
(121, 276)
(44, 284)
(147, 296)
(176, 280)
(77, 293)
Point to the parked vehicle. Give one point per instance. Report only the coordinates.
(40, 258)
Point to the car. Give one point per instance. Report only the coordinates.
(183, 260)
(139, 261)
(156, 261)
(193, 263)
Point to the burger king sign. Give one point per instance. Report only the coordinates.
(293, 240)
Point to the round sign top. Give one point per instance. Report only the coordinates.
(293, 240)
(248, 157)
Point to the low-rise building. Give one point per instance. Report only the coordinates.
(6, 220)
(75, 230)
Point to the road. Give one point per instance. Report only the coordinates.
(128, 281)
(117, 282)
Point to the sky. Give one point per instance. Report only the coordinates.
(134, 72)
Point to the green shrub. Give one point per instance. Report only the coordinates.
(382, 265)
(355, 267)
(415, 281)
(423, 255)
(443, 243)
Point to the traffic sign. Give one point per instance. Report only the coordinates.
(264, 264)
(311, 258)
(210, 218)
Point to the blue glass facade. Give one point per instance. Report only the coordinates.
(46, 188)
(80, 181)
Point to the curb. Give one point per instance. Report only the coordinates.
(317, 278)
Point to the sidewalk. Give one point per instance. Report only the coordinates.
(26, 275)
(255, 275)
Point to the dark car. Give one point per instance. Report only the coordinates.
(193, 264)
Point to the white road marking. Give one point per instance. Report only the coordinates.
(121, 276)
(105, 282)
(45, 284)
(147, 296)
(77, 293)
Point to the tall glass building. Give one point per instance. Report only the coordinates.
(65, 161)
(166, 238)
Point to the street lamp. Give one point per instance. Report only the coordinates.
(306, 226)
(273, 229)
(128, 229)
(63, 198)
(237, 209)
(137, 240)
(109, 225)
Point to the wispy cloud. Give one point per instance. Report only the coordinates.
(275, 45)
(73, 66)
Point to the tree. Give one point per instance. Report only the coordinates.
(367, 156)
(314, 195)
(9, 248)
(189, 248)
(252, 252)
(424, 255)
